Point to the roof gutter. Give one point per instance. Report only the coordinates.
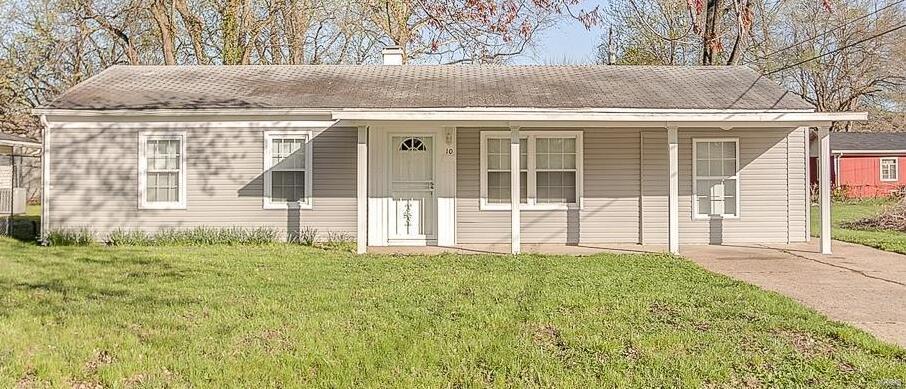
(5, 142)
(180, 112)
(486, 114)
(715, 116)
(869, 152)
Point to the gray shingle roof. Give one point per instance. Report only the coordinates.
(868, 141)
(417, 86)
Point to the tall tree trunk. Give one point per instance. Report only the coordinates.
(710, 39)
(161, 14)
(276, 47)
(743, 26)
(232, 50)
(296, 21)
(194, 27)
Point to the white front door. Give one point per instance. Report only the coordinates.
(413, 210)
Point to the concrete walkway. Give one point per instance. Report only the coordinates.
(858, 285)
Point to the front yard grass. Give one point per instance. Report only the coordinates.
(285, 315)
(850, 210)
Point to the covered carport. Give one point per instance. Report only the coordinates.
(13, 197)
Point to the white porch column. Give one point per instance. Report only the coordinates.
(673, 193)
(361, 237)
(808, 184)
(514, 189)
(824, 188)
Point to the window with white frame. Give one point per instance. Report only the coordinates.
(287, 169)
(890, 169)
(550, 169)
(498, 170)
(162, 173)
(715, 165)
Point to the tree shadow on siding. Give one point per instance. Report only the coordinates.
(94, 174)
(333, 173)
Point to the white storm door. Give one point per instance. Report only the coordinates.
(413, 210)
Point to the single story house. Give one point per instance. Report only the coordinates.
(12, 194)
(865, 164)
(423, 155)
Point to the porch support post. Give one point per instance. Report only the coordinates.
(673, 193)
(514, 189)
(824, 190)
(361, 237)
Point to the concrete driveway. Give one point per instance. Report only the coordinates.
(858, 285)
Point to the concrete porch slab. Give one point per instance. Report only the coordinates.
(504, 249)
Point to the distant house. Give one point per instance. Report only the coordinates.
(866, 164)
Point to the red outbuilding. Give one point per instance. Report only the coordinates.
(865, 164)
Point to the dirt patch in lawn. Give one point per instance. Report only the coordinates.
(664, 313)
(805, 343)
(548, 337)
(100, 359)
(271, 340)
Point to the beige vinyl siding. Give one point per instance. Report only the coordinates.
(472, 224)
(797, 179)
(626, 192)
(493, 226)
(94, 181)
(654, 187)
(769, 202)
(610, 212)
(610, 206)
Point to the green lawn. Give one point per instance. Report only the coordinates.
(894, 241)
(285, 315)
(33, 210)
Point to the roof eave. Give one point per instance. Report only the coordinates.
(492, 114)
(870, 152)
(670, 116)
(17, 143)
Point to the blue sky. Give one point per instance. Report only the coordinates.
(568, 41)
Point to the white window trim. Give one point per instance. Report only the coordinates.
(695, 178)
(269, 136)
(143, 139)
(532, 204)
(896, 169)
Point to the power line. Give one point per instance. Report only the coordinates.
(835, 28)
(838, 49)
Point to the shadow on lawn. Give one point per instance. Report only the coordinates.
(130, 278)
(24, 228)
(75, 289)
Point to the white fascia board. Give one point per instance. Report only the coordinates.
(868, 152)
(20, 143)
(132, 123)
(485, 114)
(183, 112)
(528, 116)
